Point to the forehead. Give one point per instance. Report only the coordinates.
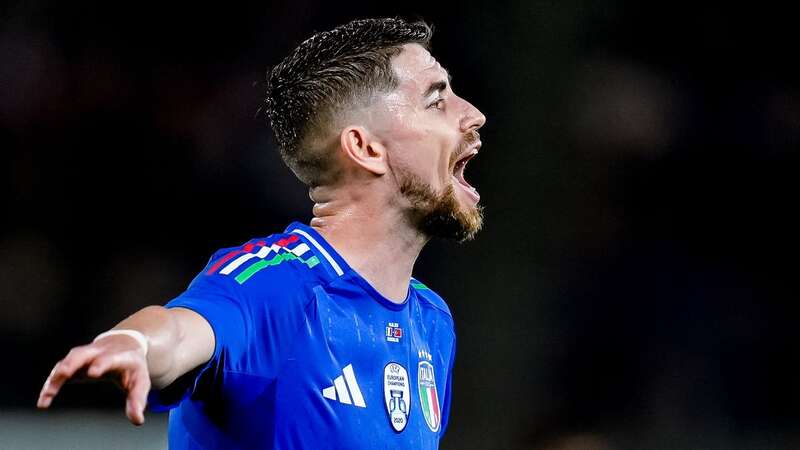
(415, 66)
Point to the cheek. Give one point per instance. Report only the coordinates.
(435, 159)
(428, 151)
(418, 145)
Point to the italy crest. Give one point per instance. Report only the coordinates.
(428, 397)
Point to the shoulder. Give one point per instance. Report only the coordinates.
(429, 298)
(276, 265)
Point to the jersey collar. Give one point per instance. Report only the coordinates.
(338, 265)
(332, 257)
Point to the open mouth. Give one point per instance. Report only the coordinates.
(458, 173)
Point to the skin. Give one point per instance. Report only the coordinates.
(363, 215)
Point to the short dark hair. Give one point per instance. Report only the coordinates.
(328, 73)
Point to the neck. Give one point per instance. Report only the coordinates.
(373, 237)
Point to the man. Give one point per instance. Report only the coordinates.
(318, 337)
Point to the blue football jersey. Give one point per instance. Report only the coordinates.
(309, 355)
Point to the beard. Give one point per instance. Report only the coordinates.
(439, 214)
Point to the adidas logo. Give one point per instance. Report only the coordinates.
(339, 390)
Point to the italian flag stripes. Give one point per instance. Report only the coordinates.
(428, 397)
(266, 256)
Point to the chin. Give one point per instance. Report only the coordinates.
(451, 218)
(441, 214)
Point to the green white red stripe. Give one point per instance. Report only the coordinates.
(321, 250)
(274, 261)
(261, 251)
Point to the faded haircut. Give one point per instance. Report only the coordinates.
(330, 73)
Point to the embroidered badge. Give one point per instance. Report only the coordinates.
(428, 397)
(393, 332)
(397, 394)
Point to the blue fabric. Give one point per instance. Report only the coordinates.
(287, 333)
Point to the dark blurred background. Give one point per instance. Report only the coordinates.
(634, 287)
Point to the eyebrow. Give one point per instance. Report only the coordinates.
(438, 85)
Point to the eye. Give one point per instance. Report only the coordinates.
(438, 104)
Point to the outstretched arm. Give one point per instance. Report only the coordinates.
(178, 340)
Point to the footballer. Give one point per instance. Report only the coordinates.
(319, 336)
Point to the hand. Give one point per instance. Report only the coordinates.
(118, 357)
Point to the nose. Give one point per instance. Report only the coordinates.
(472, 118)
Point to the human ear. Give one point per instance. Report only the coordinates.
(360, 147)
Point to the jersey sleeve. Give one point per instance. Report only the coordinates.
(253, 324)
(448, 391)
(448, 340)
(225, 309)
